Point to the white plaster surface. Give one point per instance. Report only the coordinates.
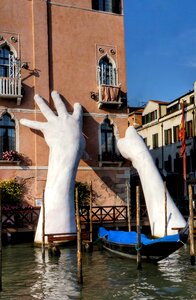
(63, 134)
(132, 147)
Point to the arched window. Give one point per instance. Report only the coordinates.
(9, 63)
(169, 163)
(107, 72)
(178, 164)
(4, 61)
(108, 147)
(7, 134)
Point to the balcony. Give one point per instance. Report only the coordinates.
(11, 88)
(109, 96)
(110, 159)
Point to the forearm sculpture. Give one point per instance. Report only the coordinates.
(132, 147)
(63, 134)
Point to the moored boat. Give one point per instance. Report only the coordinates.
(153, 250)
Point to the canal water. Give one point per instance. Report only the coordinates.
(26, 276)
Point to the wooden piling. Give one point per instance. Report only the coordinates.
(0, 240)
(43, 225)
(165, 204)
(79, 242)
(191, 226)
(90, 215)
(128, 206)
(138, 225)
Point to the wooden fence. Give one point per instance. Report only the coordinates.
(24, 217)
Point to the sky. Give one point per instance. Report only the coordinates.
(160, 43)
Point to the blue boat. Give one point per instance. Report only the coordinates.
(125, 244)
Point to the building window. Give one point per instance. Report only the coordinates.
(9, 63)
(109, 90)
(155, 140)
(173, 108)
(192, 99)
(7, 134)
(189, 129)
(178, 164)
(107, 72)
(168, 164)
(108, 147)
(152, 116)
(113, 6)
(4, 61)
(176, 133)
(168, 137)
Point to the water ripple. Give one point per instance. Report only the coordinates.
(106, 277)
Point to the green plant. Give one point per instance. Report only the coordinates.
(83, 193)
(11, 192)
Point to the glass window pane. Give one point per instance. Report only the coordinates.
(7, 121)
(108, 5)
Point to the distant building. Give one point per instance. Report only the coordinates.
(160, 131)
(135, 116)
(77, 48)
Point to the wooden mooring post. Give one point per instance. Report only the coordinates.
(90, 215)
(191, 225)
(128, 206)
(79, 242)
(43, 225)
(138, 224)
(165, 204)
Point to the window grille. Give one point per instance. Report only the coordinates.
(107, 72)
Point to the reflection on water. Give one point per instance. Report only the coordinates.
(26, 276)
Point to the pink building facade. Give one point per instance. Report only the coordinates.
(77, 48)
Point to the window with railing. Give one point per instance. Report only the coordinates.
(109, 89)
(107, 72)
(7, 134)
(10, 81)
(113, 6)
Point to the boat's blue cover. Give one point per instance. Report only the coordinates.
(124, 237)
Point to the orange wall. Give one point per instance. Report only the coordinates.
(60, 43)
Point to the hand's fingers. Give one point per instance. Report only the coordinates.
(32, 124)
(77, 113)
(45, 109)
(60, 106)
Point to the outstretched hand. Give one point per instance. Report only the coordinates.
(132, 146)
(62, 130)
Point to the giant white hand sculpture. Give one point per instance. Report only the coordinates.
(63, 134)
(132, 147)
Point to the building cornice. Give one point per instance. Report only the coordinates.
(91, 114)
